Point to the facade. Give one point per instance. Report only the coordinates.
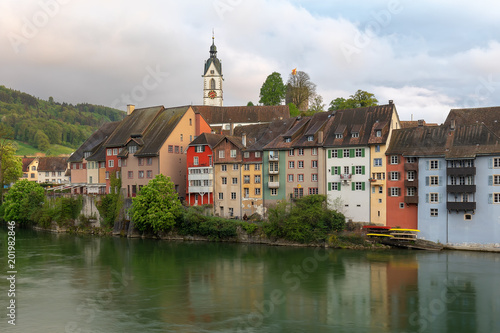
(30, 167)
(52, 170)
(200, 169)
(212, 79)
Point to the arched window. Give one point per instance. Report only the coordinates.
(212, 84)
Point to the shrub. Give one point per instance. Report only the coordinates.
(22, 201)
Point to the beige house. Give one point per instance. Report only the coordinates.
(52, 170)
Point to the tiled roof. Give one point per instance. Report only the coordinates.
(242, 114)
(261, 134)
(94, 141)
(52, 163)
(207, 139)
(489, 116)
(26, 162)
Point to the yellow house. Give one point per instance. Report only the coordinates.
(30, 169)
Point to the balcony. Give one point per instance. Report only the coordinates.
(411, 166)
(461, 188)
(273, 171)
(274, 157)
(411, 183)
(273, 184)
(411, 199)
(468, 171)
(465, 206)
(375, 181)
(345, 176)
(200, 189)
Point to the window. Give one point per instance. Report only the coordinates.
(496, 180)
(232, 153)
(358, 186)
(32, 175)
(496, 198)
(257, 179)
(195, 160)
(182, 138)
(140, 160)
(468, 217)
(119, 162)
(358, 170)
(221, 153)
(394, 175)
(378, 133)
(231, 211)
(130, 175)
(149, 174)
(246, 179)
(199, 149)
(394, 159)
(274, 191)
(314, 151)
(256, 167)
(170, 148)
(233, 195)
(235, 167)
(410, 175)
(224, 180)
(246, 154)
(108, 152)
(300, 178)
(434, 212)
(333, 186)
(496, 162)
(401, 205)
(346, 153)
(355, 134)
(291, 164)
(115, 151)
(377, 148)
(313, 190)
(377, 162)
(257, 191)
(111, 163)
(288, 139)
(235, 181)
(291, 152)
(434, 164)
(301, 151)
(338, 135)
(434, 197)
(290, 178)
(273, 166)
(298, 192)
(411, 160)
(223, 167)
(257, 154)
(434, 180)
(346, 170)
(103, 164)
(314, 164)
(107, 174)
(380, 189)
(395, 191)
(246, 167)
(314, 177)
(410, 191)
(310, 138)
(300, 164)
(141, 174)
(358, 152)
(246, 192)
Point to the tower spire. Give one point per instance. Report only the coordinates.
(213, 48)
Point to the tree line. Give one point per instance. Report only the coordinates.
(41, 123)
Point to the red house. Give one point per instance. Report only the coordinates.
(200, 173)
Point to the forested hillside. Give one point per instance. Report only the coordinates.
(42, 123)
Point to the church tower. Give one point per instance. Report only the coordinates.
(212, 78)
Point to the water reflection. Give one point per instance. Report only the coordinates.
(88, 284)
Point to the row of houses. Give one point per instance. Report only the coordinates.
(45, 169)
(443, 180)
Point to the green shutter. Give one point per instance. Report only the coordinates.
(340, 153)
(363, 152)
(353, 185)
(329, 153)
(353, 170)
(363, 186)
(338, 170)
(351, 153)
(363, 169)
(339, 185)
(329, 186)
(332, 170)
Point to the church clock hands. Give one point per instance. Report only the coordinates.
(212, 94)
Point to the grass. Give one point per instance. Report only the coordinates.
(24, 149)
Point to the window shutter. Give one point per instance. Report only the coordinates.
(440, 180)
(339, 186)
(363, 169)
(351, 153)
(427, 180)
(490, 180)
(363, 152)
(427, 165)
(490, 163)
(332, 170)
(427, 198)
(329, 153)
(338, 170)
(329, 186)
(490, 198)
(439, 165)
(353, 170)
(363, 186)
(353, 186)
(340, 153)
(440, 198)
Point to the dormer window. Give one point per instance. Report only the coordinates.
(132, 149)
(378, 133)
(355, 134)
(288, 139)
(338, 135)
(310, 138)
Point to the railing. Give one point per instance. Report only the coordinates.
(345, 176)
(274, 157)
(461, 188)
(411, 166)
(461, 171)
(411, 199)
(273, 184)
(461, 205)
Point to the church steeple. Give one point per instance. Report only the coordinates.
(212, 78)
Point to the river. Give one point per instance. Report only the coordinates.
(67, 283)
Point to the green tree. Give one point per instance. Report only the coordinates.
(273, 90)
(360, 99)
(23, 200)
(157, 207)
(294, 111)
(11, 167)
(250, 103)
(317, 105)
(300, 90)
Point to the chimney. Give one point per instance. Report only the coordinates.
(130, 108)
(452, 126)
(391, 102)
(320, 137)
(420, 123)
(244, 139)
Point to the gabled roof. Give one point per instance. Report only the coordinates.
(365, 121)
(26, 162)
(94, 140)
(52, 163)
(260, 135)
(134, 124)
(159, 130)
(295, 129)
(418, 141)
(209, 139)
(233, 139)
(242, 114)
(489, 116)
(316, 124)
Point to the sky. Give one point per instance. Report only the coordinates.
(427, 56)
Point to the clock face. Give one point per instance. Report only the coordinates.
(212, 94)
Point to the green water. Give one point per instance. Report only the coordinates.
(68, 283)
